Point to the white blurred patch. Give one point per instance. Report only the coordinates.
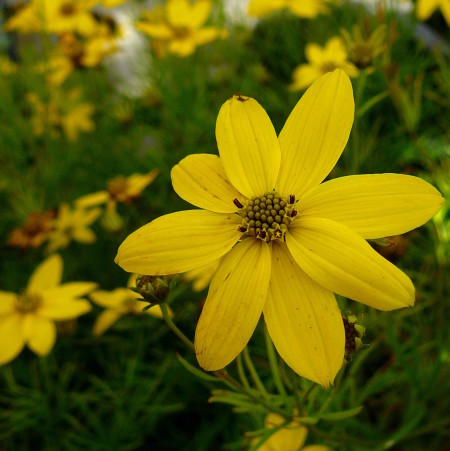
(402, 6)
(236, 12)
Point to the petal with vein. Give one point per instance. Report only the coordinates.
(234, 304)
(248, 146)
(341, 261)
(11, 337)
(303, 320)
(200, 179)
(179, 242)
(47, 275)
(40, 333)
(315, 133)
(375, 205)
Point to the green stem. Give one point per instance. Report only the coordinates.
(174, 328)
(333, 393)
(241, 372)
(273, 363)
(253, 373)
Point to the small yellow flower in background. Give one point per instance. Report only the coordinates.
(7, 66)
(426, 7)
(181, 29)
(364, 46)
(28, 318)
(72, 225)
(63, 111)
(291, 437)
(301, 8)
(34, 231)
(54, 16)
(119, 302)
(320, 61)
(287, 241)
(119, 189)
(201, 277)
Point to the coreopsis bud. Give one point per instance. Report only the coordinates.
(353, 335)
(154, 289)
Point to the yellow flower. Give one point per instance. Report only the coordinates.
(28, 318)
(72, 225)
(201, 277)
(301, 8)
(119, 302)
(181, 31)
(54, 16)
(287, 241)
(7, 66)
(291, 437)
(119, 189)
(426, 7)
(322, 60)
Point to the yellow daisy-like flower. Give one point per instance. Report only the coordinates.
(28, 318)
(426, 7)
(72, 225)
(181, 29)
(119, 302)
(119, 189)
(291, 437)
(287, 241)
(322, 60)
(301, 8)
(54, 16)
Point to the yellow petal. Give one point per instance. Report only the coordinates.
(201, 277)
(179, 13)
(445, 8)
(375, 205)
(341, 261)
(84, 235)
(7, 301)
(248, 146)
(303, 320)
(105, 320)
(315, 133)
(200, 11)
(182, 47)
(138, 182)
(316, 448)
(308, 8)
(426, 7)
(261, 8)
(40, 334)
(61, 311)
(47, 275)
(112, 299)
(234, 304)
(155, 30)
(91, 200)
(11, 337)
(69, 291)
(208, 34)
(178, 242)
(201, 180)
(303, 76)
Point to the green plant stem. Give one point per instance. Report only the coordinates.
(174, 328)
(241, 372)
(333, 393)
(253, 373)
(273, 363)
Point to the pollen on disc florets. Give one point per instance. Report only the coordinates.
(27, 302)
(266, 217)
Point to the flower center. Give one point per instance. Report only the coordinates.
(27, 302)
(67, 9)
(117, 186)
(266, 217)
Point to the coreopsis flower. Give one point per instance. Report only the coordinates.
(34, 231)
(119, 189)
(426, 7)
(119, 302)
(302, 8)
(181, 29)
(54, 16)
(320, 61)
(29, 318)
(287, 241)
(364, 47)
(72, 225)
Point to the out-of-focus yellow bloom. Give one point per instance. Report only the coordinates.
(201, 277)
(426, 7)
(54, 16)
(119, 189)
(7, 67)
(291, 437)
(72, 225)
(364, 47)
(119, 302)
(320, 61)
(301, 8)
(112, 3)
(181, 29)
(28, 318)
(34, 232)
(62, 112)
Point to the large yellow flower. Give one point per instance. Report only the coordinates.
(28, 318)
(301, 8)
(320, 61)
(182, 30)
(288, 242)
(426, 7)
